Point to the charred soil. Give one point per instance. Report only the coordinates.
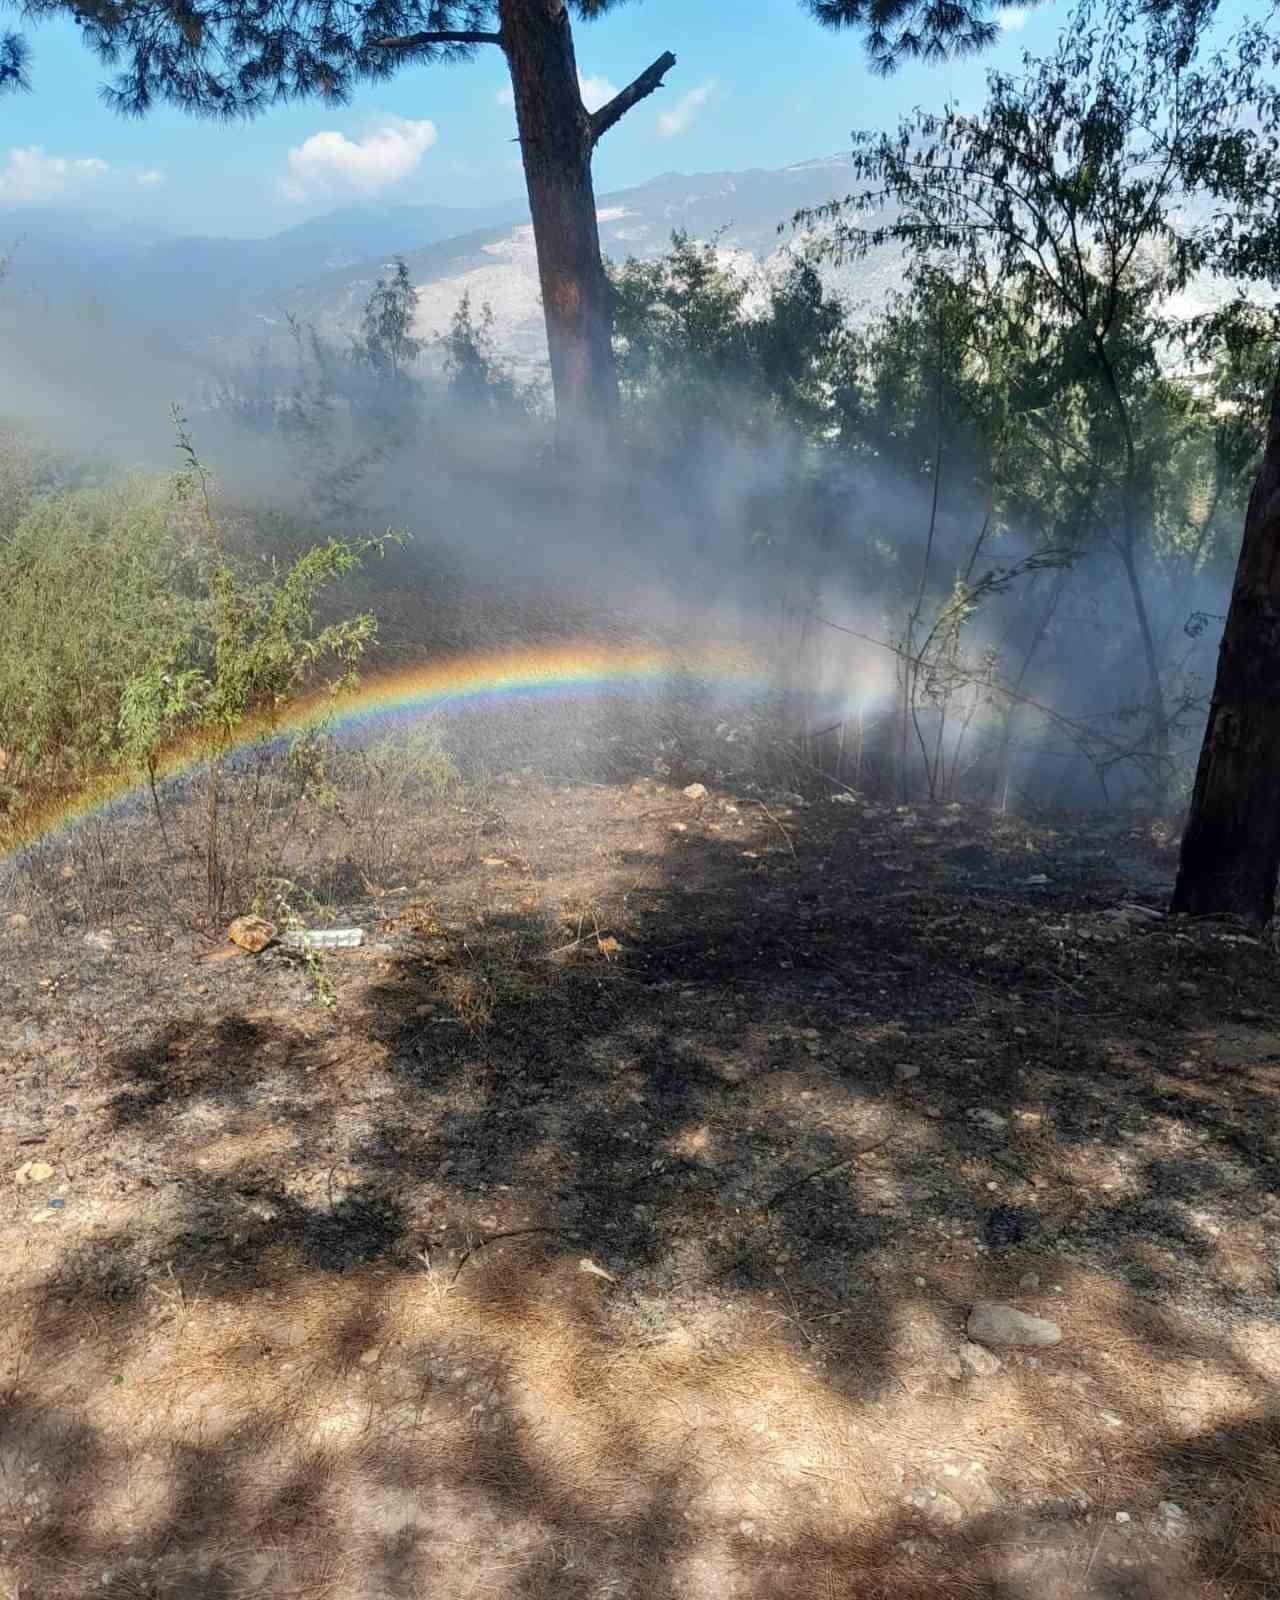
(615, 1228)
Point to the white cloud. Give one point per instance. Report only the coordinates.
(32, 176)
(506, 96)
(596, 91)
(149, 178)
(681, 116)
(330, 162)
(1014, 18)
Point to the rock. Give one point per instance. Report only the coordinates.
(1002, 1227)
(993, 1323)
(992, 1121)
(953, 1368)
(937, 1506)
(695, 791)
(252, 933)
(1170, 1521)
(981, 1363)
(1130, 913)
(18, 921)
(1029, 1281)
(1123, 1516)
(33, 1172)
(905, 1071)
(104, 942)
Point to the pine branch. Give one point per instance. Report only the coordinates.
(419, 41)
(617, 108)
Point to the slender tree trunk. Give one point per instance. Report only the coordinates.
(1128, 557)
(556, 140)
(1004, 752)
(1159, 712)
(1231, 845)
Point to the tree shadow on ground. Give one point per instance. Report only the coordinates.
(637, 1261)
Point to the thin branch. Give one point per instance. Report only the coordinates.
(826, 1172)
(420, 41)
(622, 102)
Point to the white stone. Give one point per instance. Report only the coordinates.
(993, 1323)
(1170, 1521)
(979, 1361)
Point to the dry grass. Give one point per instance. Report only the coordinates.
(474, 1287)
(515, 1432)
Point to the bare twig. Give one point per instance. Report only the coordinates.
(778, 825)
(826, 1172)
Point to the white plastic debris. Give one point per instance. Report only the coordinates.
(323, 938)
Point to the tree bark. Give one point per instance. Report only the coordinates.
(1231, 845)
(556, 141)
(557, 138)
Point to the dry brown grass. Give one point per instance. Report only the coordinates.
(210, 1391)
(513, 1433)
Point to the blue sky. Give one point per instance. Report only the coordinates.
(765, 89)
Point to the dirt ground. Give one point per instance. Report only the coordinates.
(614, 1231)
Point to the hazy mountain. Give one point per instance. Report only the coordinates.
(216, 300)
(743, 211)
(201, 282)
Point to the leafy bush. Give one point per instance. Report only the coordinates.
(96, 587)
(256, 647)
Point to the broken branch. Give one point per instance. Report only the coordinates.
(622, 102)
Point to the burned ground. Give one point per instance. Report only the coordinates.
(615, 1230)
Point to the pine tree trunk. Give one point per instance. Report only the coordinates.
(556, 141)
(1231, 846)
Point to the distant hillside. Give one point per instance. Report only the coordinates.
(214, 301)
(497, 265)
(199, 283)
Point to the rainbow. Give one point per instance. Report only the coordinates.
(552, 671)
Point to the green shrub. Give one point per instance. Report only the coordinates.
(96, 587)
